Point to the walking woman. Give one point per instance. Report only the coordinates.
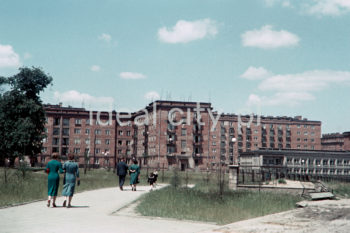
(71, 175)
(53, 179)
(134, 175)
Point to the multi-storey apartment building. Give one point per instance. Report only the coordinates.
(76, 130)
(336, 141)
(172, 133)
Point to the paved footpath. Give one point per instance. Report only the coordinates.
(91, 212)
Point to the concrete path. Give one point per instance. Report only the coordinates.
(91, 212)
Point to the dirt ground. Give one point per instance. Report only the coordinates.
(317, 216)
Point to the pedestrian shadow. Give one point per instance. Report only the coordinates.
(79, 206)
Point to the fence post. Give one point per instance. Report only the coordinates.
(163, 173)
(252, 175)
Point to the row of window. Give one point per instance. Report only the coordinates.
(325, 162)
(324, 171)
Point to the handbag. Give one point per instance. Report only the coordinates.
(47, 170)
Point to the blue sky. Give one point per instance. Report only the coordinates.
(271, 57)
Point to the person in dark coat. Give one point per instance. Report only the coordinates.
(122, 169)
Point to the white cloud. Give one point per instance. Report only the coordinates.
(8, 57)
(315, 80)
(105, 37)
(131, 75)
(152, 95)
(314, 7)
(186, 31)
(266, 38)
(95, 68)
(284, 3)
(77, 99)
(329, 7)
(294, 89)
(255, 73)
(280, 99)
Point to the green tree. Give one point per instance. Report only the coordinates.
(22, 116)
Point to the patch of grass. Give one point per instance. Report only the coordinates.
(340, 188)
(34, 185)
(200, 205)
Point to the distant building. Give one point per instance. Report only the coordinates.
(298, 162)
(171, 133)
(336, 141)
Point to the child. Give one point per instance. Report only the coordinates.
(151, 180)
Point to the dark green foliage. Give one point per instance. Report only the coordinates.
(22, 116)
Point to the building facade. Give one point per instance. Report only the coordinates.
(298, 162)
(171, 133)
(336, 141)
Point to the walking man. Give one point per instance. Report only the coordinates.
(122, 169)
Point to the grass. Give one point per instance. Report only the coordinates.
(341, 189)
(34, 185)
(200, 205)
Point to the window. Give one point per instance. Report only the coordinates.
(65, 131)
(127, 142)
(108, 132)
(312, 133)
(56, 131)
(56, 121)
(305, 126)
(120, 142)
(87, 131)
(55, 141)
(76, 150)
(305, 133)
(77, 141)
(66, 121)
(305, 139)
(312, 140)
(183, 144)
(119, 151)
(120, 133)
(128, 133)
(43, 150)
(214, 136)
(97, 131)
(298, 126)
(98, 141)
(107, 141)
(65, 141)
(97, 150)
(183, 132)
(214, 143)
(97, 160)
(77, 131)
(77, 121)
(298, 133)
(325, 162)
(87, 122)
(213, 150)
(298, 140)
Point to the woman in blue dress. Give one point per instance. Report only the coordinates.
(134, 171)
(71, 169)
(53, 179)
